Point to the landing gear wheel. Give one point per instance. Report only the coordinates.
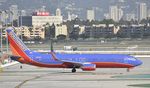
(73, 70)
(128, 69)
(20, 66)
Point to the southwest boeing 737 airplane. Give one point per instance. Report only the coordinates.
(86, 62)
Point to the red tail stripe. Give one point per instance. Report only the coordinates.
(18, 49)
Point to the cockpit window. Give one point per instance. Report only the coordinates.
(131, 58)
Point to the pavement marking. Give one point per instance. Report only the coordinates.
(19, 86)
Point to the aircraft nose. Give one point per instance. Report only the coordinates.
(138, 62)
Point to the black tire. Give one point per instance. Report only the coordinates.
(73, 70)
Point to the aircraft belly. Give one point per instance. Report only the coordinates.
(112, 65)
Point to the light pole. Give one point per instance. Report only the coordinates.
(1, 32)
(12, 18)
(20, 22)
(137, 10)
(6, 16)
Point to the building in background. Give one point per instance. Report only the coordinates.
(29, 32)
(107, 16)
(130, 16)
(42, 20)
(98, 32)
(23, 13)
(58, 12)
(90, 15)
(82, 29)
(60, 30)
(41, 13)
(42, 9)
(71, 16)
(143, 11)
(14, 10)
(149, 13)
(115, 13)
(3, 17)
(120, 14)
(37, 32)
(25, 21)
(39, 19)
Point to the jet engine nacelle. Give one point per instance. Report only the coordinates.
(88, 67)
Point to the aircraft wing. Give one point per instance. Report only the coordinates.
(75, 63)
(66, 61)
(86, 66)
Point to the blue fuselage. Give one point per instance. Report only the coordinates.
(101, 60)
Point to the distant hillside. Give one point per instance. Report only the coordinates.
(29, 4)
(77, 6)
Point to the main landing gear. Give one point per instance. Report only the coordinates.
(128, 69)
(20, 66)
(73, 70)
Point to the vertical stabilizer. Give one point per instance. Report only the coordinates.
(15, 43)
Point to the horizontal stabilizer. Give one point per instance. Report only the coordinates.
(15, 58)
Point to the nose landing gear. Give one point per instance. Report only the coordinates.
(128, 69)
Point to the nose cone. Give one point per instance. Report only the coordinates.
(133, 61)
(138, 62)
